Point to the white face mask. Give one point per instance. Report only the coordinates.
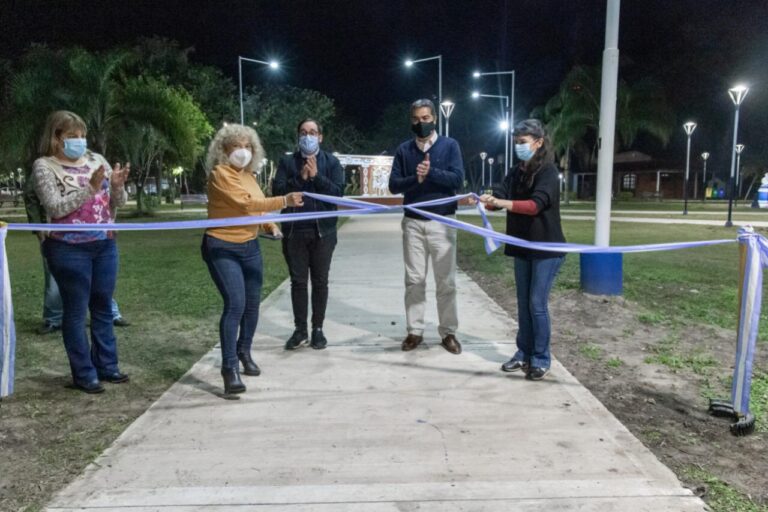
(240, 158)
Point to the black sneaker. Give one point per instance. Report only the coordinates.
(297, 339)
(48, 329)
(536, 373)
(120, 322)
(514, 365)
(318, 339)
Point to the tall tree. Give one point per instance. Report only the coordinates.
(573, 115)
(276, 111)
(95, 86)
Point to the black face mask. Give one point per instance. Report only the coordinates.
(423, 130)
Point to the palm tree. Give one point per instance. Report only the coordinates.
(573, 114)
(113, 106)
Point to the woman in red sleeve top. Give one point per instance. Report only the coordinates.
(531, 196)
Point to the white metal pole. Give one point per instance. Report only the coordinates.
(607, 125)
(440, 90)
(240, 76)
(687, 169)
(729, 222)
(506, 144)
(511, 121)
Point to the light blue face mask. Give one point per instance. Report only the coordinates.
(309, 144)
(74, 148)
(524, 151)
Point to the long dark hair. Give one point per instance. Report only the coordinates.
(544, 155)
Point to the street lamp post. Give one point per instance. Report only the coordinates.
(739, 149)
(272, 65)
(446, 108)
(511, 118)
(490, 173)
(689, 127)
(439, 59)
(504, 124)
(737, 94)
(483, 154)
(705, 157)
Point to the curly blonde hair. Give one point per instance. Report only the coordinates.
(225, 138)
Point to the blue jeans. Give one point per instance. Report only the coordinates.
(53, 309)
(86, 275)
(237, 271)
(534, 278)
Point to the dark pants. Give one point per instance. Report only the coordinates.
(86, 275)
(309, 258)
(534, 278)
(237, 270)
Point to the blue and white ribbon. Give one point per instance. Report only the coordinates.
(749, 317)
(757, 257)
(7, 327)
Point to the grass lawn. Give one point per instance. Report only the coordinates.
(696, 285)
(49, 433)
(674, 291)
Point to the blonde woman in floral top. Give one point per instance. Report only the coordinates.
(78, 186)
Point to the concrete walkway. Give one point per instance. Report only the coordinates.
(363, 426)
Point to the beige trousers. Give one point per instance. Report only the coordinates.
(424, 241)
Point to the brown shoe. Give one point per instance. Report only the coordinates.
(411, 342)
(451, 344)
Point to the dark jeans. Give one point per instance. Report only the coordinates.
(533, 279)
(86, 275)
(309, 257)
(237, 270)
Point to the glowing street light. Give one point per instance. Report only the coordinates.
(272, 64)
(483, 154)
(511, 105)
(504, 124)
(446, 108)
(705, 157)
(737, 94)
(490, 172)
(439, 58)
(739, 149)
(689, 127)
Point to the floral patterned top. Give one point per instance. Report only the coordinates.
(65, 192)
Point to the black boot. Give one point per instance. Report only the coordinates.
(249, 366)
(232, 382)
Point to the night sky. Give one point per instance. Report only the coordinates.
(353, 51)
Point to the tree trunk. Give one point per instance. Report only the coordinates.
(140, 196)
(567, 176)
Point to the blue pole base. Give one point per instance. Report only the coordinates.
(601, 273)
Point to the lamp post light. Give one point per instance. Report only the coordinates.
(483, 154)
(503, 125)
(739, 149)
(272, 65)
(439, 58)
(511, 109)
(705, 157)
(446, 108)
(737, 94)
(689, 127)
(490, 172)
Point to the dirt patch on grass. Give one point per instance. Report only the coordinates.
(655, 376)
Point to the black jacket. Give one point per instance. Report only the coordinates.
(545, 225)
(329, 181)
